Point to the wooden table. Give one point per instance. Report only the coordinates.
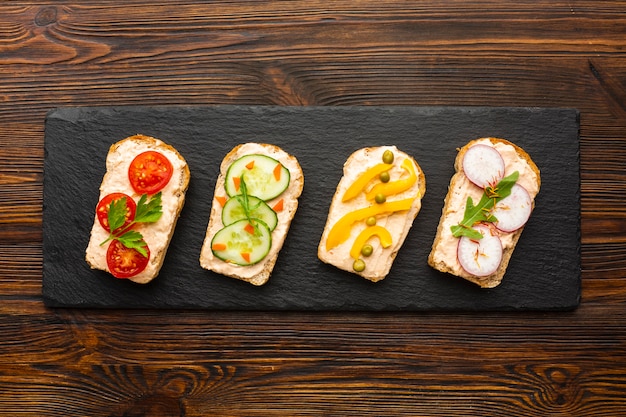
(61, 362)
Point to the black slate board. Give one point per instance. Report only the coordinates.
(544, 273)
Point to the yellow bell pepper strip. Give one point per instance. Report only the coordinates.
(341, 230)
(363, 180)
(382, 233)
(395, 187)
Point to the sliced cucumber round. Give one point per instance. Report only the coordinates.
(242, 243)
(264, 177)
(233, 210)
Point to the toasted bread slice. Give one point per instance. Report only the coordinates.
(443, 255)
(157, 235)
(284, 206)
(360, 222)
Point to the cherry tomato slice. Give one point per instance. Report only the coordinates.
(124, 262)
(102, 210)
(149, 172)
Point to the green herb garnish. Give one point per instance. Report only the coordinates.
(245, 201)
(482, 211)
(148, 211)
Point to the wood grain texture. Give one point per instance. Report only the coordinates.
(491, 53)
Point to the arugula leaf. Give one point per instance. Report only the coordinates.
(482, 211)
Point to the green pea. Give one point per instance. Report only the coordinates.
(380, 198)
(384, 176)
(371, 221)
(388, 157)
(358, 265)
(367, 250)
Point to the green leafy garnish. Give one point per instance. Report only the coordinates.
(482, 211)
(117, 213)
(133, 240)
(245, 201)
(148, 211)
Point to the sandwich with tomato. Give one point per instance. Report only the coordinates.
(141, 196)
(255, 200)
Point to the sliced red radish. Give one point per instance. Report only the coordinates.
(483, 165)
(513, 211)
(480, 257)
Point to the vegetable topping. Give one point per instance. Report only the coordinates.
(150, 172)
(266, 178)
(125, 262)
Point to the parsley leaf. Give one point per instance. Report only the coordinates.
(482, 211)
(117, 213)
(133, 240)
(149, 212)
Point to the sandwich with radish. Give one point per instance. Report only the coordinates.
(490, 198)
(255, 199)
(141, 196)
(372, 211)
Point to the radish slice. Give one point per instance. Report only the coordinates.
(483, 165)
(480, 257)
(513, 211)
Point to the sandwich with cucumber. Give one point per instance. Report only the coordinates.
(255, 199)
(490, 198)
(372, 211)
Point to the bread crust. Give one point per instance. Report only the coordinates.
(380, 262)
(139, 143)
(458, 180)
(257, 274)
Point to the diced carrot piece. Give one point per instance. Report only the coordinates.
(221, 199)
(249, 228)
(245, 256)
(277, 171)
(279, 205)
(237, 182)
(218, 246)
(250, 164)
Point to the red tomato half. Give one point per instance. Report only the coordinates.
(102, 210)
(149, 172)
(124, 262)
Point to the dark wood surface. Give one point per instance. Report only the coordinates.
(56, 362)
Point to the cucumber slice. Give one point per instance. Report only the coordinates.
(242, 243)
(265, 177)
(233, 211)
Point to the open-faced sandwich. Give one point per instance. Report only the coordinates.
(372, 210)
(489, 200)
(255, 200)
(141, 196)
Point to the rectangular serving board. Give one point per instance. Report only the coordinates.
(544, 272)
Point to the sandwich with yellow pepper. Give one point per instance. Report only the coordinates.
(372, 211)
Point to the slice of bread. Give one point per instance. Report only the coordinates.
(156, 235)
(358, 217)
(258, 273)
(443, 255)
